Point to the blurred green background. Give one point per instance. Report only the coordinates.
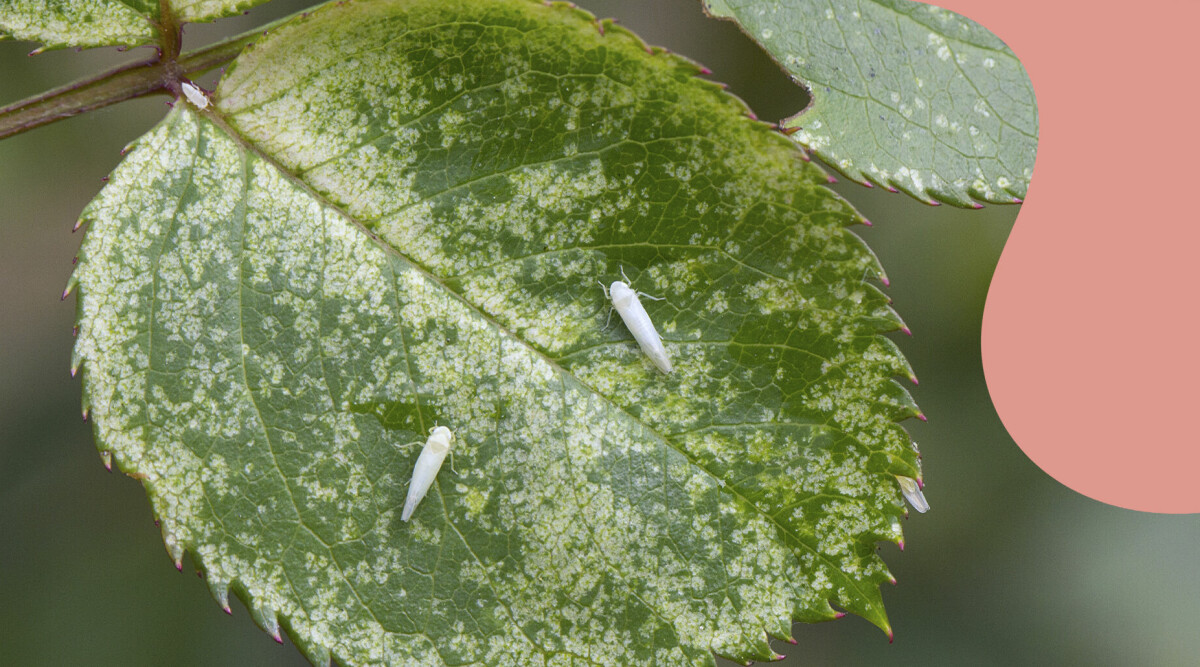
(1009, 567)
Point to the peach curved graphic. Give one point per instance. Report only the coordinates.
(1089, 328)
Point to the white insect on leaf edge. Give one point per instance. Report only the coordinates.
(627, 304)
(912, 493)
(426, 469)
(194, 94)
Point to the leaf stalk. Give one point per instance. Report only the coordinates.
(158, 74)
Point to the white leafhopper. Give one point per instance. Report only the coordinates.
(426, 469)
(194, 95)
(912, 493)
(627, 304)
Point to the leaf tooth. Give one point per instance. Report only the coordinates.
(72, 283)
(265, 617)
(76, 355)
(106, 458)
(748, 648)
(219, 588)
(174, 548)
(817, 614)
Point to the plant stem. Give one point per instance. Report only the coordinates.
(117, 85)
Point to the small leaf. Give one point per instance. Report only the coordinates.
(86, 23)
(904, 94)
(395, 218)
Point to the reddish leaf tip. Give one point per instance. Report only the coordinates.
(868, 222)
(905, 329)
(922, 417)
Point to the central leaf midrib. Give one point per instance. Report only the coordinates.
(221, 123)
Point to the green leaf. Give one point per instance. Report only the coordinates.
(904, 94)
(86, 23)
(396, 218)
